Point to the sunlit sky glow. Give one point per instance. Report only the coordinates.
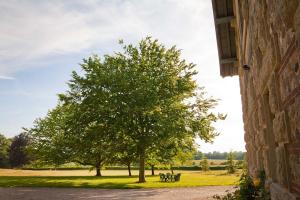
(41, 42)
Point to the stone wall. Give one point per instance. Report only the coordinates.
(268, 41)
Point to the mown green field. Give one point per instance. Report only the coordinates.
(112, 179)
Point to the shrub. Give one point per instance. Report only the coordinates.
(240, 164)
(248, 190)
(204, 163)
(231, 168)
(217, 167)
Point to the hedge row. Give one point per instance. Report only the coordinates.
(52, 168)
(216, 167)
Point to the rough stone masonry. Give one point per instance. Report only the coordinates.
(259, 40)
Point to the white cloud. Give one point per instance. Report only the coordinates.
(6, 77)
(31, 30)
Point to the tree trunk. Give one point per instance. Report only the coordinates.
(152, 170)
(98, 169)
(129, 169)
(142, 167)
(171, 167)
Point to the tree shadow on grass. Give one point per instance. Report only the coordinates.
(228, 174)
(69, 181)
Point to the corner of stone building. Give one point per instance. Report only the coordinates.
(269, 42)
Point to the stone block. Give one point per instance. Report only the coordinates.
(261, 115)
(257, 142)
(289, 78)
(297, 24)
(269, 160)
(290, 12)
(280, 128)
(267, 64)
(294, 163)
(263, 137)
(255, 122)
(259, 161)
(294, 119)
(281, 175)
(281, 193)
(273, 96)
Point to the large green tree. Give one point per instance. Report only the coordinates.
(146, 92)
(157, 98)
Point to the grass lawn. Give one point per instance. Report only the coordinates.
(111, 179)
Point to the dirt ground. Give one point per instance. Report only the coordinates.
(192, 193)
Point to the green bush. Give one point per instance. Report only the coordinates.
(247, 190)
(204, 164)
(187, 168)
(217, 167)
(231, 167)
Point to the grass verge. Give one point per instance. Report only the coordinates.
(188, 179)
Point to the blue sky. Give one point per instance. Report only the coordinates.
(41, 42)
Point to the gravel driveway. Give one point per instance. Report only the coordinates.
(192, 193)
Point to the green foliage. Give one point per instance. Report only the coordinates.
(4, 151)
(165, 167)
(248, 190)
(261, 192)
(49, 143)
(231, 167)
(204, 163)
(67, 135)
(184, 155)
(240, 164)
(18, 154)
(128, 104)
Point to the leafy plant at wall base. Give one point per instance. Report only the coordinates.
(248, 190)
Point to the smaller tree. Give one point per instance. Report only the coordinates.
(153, 160)
(231, 168)
(204, 163)
(184, 155)
(48, 141)
(4, 148)
(197, 155)
(18, 155)
(125, 152)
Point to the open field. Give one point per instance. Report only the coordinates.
(110, 179)
(211, 162)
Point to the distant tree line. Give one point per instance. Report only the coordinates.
(216, 155)
(13, 151)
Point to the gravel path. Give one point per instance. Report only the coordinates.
(192, 193)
